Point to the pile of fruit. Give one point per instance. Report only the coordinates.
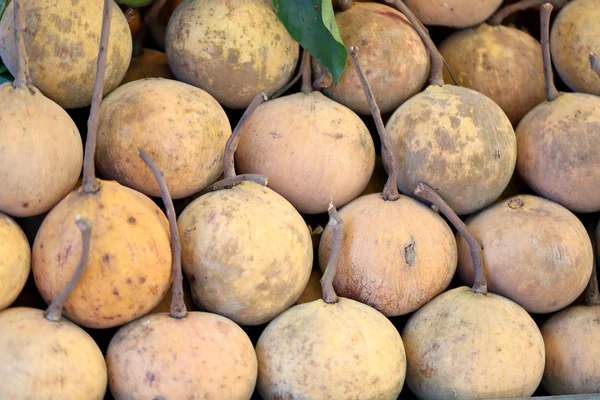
(167, 168)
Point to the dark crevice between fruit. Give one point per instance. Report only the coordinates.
(338, 227)
(390, 190)
(306, 73)
(592, 295)
(178, 308)
(23, 77)
(149, 19)
(427, 193)
(291, 83)
(595, 64)
(54, 311)
(345, 4)
(90, 184)
(315, 235)
(551, 92)
(523, 5)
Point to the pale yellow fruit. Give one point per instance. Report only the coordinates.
(15, 260)
(328, 351)
(232, 49)
(62, 42)
(453, 13)
(42, 359)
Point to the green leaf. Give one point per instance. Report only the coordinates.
(312, 24)
(3, 80)
(133, 3)
(2, 7)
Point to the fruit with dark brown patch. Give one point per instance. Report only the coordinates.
(453, 13)
(233, 50)
(15, 260)
(62, 44)
(557, 143)
(455, 139)
(151, 64)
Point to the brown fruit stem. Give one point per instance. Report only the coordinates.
(437, 61)
(595, 64)
(178, 309)
(522, 5)
(315, 235)
(23, 77)
(90, 184)
(234, 139)
(228, 183)
(306, 73)
(54, 311)
(426, 192)
(291, 83)
(345, 4)
(390, 190)
(337, 224)
(551, 92)
(149, 18)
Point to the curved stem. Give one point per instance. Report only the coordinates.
(337, 224)
(551, 92)
(595, 64)
(306, 73)
(228, 183)
(178, 309)
(23, 77)
(90, 184)
(323, 78)
(234, 139)
(522, 5)
(54, 311)
(345, 4)
(437, 61)
(426, 192)
(390, 190)
(291, 83)
(149, 18)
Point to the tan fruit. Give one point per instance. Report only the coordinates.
(453, 13)
(41, 153)
(62, 43)
(576, 34)
(15, 260)
(392, 54)
(151, 64)
(318, 349)
(233, 50)
(311, 148)
(505, 64)
(535, 252)
(181, 126)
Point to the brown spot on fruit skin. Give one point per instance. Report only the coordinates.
(131, 220)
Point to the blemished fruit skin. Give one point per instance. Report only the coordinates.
(557, 143)
(41, 153)
(391, 53)
(62, 46)
(505, 64)
(15, 260)
(151, 64)
(312, 149)
(396, 255)
(327, 351)
(572, 339)
(42, 359)
(246, 252)
(469, 345)
(201, 356)
(453, 13)
(180, 126)
(232, 49)
(456, 140)
(575, 34)
(535, 252)
(129, 266)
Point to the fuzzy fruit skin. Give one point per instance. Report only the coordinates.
(453, 13)
(328, 351)
(182, 127)
(41, 153)
(558, 158)
(469, 345)
(457, 141)
(202, 356)
(575, 34)
(505, 64)
(311, 148)
(42, 359)
(391, 54)
(572, 351)
(15, 260)
(62, 45)
(535, 252)
(246, 252)
(233, 50)
(129, 267)
(396, 255)
(151, 64)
